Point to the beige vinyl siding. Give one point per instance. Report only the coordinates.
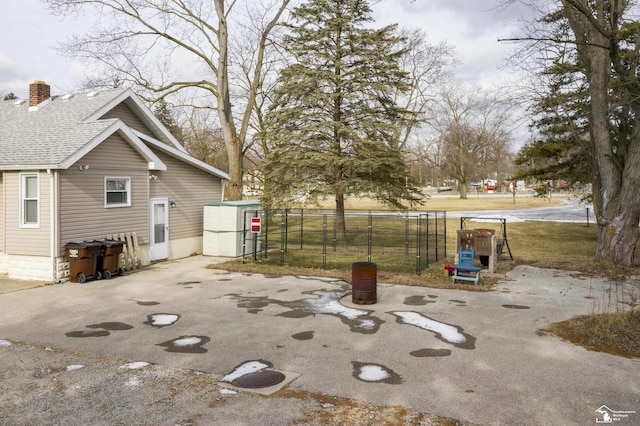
(190, 188)
(21, 240)
(124, 113)
(82, 211)
(2, 224)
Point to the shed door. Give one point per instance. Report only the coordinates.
(159, 244)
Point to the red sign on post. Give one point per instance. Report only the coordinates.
(256, 225)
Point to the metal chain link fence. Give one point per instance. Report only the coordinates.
(396, 241)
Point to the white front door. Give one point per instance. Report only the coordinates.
(159, 235)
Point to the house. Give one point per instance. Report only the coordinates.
(80, 167)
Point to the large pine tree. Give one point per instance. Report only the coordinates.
(331, 125)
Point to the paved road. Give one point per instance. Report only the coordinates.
(466, 355)
(572, 211)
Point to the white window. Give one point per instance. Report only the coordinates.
(29, 200)
(117, 191)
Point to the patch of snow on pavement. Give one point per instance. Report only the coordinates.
(187, 341)
(163, 319)
(74, 367)
(448, 332)
(225, 391)
(5, 343)
(373, 373)
(134, 365)
(326, 304)
(367, 324)
(246, 368)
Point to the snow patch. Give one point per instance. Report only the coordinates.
(187, 341)
(367, 324)
(373, 373)
(5, 343)
(74, 367)
(225, 391)
(163, 319)
(246, 368)
(448, 332)
(134, 365)
(326, 304)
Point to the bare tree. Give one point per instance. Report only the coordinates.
(428, 67)
(171, 46)
(203, 141)
(472, 129)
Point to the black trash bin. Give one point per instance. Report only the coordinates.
(108, 262)
(364, 281)
(83, 257)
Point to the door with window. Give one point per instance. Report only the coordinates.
(159, 236)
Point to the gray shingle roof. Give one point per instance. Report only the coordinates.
(60, 130)
(44, 138)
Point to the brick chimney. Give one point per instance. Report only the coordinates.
(39, 91)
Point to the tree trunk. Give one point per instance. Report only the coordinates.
(233, 190)
(233, 145)
(463, 190)
(616, 203)
(618, 237)
(618, 232)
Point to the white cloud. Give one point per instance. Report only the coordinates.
(472, 27)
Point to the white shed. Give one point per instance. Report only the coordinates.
(224, 227)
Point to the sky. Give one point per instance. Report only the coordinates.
(30, 35)
(473, 27)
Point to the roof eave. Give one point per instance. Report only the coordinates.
(21, 167)
(182, 156)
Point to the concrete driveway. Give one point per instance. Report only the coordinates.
(454, 353)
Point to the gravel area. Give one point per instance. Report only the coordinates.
(51, 386)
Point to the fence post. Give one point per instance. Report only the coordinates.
(436, 239)
(265, 239)
(370, 236)
(418, 232)
(428, 247)
(406, 233)
(324, 241)
(444, 220)
(255, 240)
(286, 230)
(283, 237)
(335, 231)
(301, 228)
(244, 236)
(587, 217)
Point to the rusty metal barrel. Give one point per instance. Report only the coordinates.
(364, 280)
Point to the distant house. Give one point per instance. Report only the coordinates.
(80, 167)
